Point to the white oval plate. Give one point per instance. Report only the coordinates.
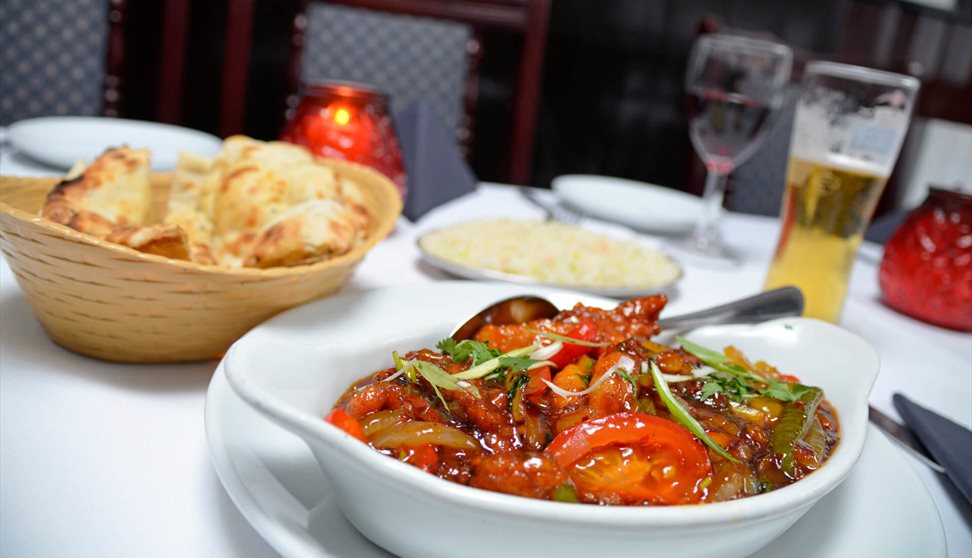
(278, 486)
(639, 205)
(61, 141)
(486, 274)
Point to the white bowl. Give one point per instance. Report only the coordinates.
(283, 372)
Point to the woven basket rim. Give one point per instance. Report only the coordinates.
(385, 223)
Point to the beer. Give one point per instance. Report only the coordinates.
(826, 207)
(847, 131)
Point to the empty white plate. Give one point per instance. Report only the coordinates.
(60, 141)
(638, 205)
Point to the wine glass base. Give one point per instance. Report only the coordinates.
(708, 252)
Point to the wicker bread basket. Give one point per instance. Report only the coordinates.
(111, 302)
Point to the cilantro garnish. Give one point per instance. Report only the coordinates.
(709, 389)
(439, 378)
(462, 350)
(738, 383)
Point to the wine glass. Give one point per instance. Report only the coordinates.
(735, 87)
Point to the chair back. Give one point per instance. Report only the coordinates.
(453, 32)
(410, 58)
(53, 58)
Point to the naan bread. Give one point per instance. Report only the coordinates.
(113, 192)
(165, 240)
(306, 233)
(256, 204)
(259, 185)
(189, 197)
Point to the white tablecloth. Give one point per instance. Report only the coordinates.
(103, 460)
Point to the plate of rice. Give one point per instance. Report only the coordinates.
(550, 253)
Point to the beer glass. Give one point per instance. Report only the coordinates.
(849, 126)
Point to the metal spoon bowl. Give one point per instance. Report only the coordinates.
(514, 310)
(778, 303)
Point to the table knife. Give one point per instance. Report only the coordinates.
(900, 435)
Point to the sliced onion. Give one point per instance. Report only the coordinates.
(419, 432)
(624, 363)
(570, 340)
(400, 371)
(544, 353)
(703, 371)
(674, 379)
(376, 423)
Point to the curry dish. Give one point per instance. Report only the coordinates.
(585, 407)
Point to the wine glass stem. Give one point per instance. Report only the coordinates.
(706, 229)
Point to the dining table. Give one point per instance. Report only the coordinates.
(107, 459)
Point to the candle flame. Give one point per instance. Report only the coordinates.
(342, 116)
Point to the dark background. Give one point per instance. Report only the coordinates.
(612, 100)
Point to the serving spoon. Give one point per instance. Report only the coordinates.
(778, 303)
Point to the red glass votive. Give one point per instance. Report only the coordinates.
(348, 121)
(926, 271)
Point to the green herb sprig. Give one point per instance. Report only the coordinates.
(439, 378)
(736, 382)
(681, 415)
(461, 351)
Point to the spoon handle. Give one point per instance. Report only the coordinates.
(778, 303)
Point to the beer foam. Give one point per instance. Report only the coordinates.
(842, 162)
(864, 143)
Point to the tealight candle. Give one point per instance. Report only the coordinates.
(348, 121)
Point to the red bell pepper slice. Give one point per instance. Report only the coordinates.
(570, 353)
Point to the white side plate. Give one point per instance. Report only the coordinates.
(638, 205)
(60, 141)
(486, 274)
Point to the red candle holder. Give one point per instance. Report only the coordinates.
(348, 121)
(926, 271)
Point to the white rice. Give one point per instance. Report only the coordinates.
(552, 252)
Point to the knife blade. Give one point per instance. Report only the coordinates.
(900, 435)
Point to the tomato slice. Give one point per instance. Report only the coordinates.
(633, 458)
(344, 421)
(570, 353)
